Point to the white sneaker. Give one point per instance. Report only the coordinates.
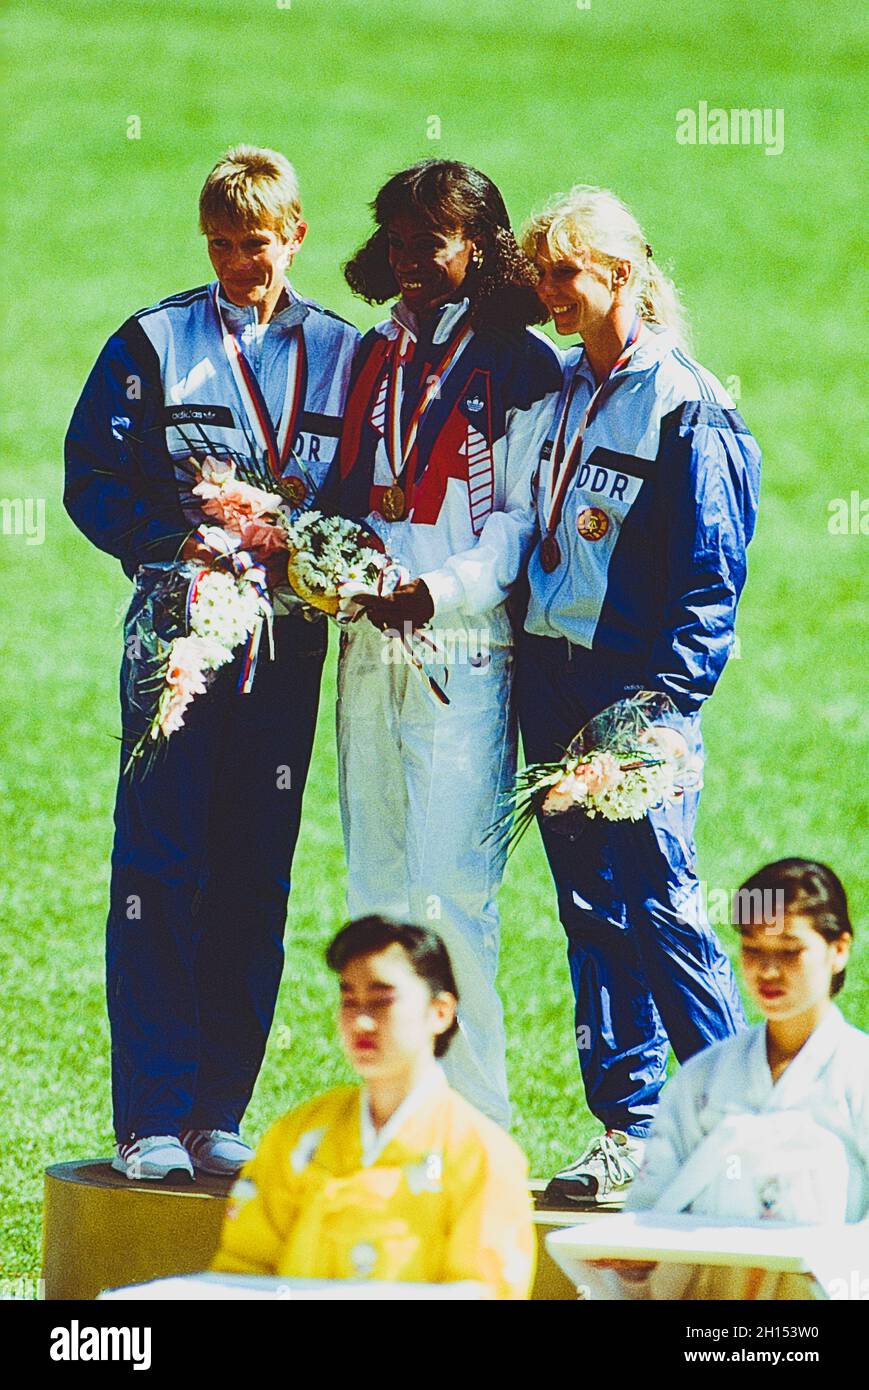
(602, 1175)
(216, 1151)
(155, 1157)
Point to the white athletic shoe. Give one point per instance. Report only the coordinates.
(216, 1151)
(601, 1176)
(155, 1157)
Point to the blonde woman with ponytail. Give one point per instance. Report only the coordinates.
(646, 495)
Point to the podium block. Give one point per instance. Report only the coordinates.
(102, 1231)
(551, 1283)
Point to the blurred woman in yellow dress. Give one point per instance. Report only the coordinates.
(400, 1179)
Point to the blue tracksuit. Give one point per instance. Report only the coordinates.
(204, 843)
(652, 540)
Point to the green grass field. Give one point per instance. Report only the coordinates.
(540, 96)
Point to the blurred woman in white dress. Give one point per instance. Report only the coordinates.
(772, 1124)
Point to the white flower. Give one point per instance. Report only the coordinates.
(224, 609)
(326, 552)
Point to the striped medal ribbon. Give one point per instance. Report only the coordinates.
(276, 444)
(394, 503)
(565, 461)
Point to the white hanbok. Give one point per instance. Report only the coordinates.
(729, 1142)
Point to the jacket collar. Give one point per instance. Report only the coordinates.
(240, 317)
(811, 1058)
(448, 320)
(655, 344)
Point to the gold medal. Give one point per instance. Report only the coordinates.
(392, 503)
(295, 490)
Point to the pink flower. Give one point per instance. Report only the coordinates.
(233, 504)
(186, 665)
(568, 791)
(216, 470)
(263, 539)
(173, 707)
(189, 660)
(598, 775)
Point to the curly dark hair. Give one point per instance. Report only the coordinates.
(453, 198)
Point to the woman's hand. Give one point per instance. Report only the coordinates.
(409, 603)
(633, 1271)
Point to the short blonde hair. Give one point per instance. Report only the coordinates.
(595, 220)
(250, 186)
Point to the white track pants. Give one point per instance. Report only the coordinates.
(420, 783)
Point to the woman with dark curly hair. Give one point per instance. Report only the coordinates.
(449, 403)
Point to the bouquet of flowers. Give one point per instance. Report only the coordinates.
(330, 558)
(192, 622)
(192, 617)
(332, 561)
(620, 765)
(195, 616)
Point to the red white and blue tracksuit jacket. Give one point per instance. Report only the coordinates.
(471, 524)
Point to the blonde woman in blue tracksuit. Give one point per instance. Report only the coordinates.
(204, 843)
(646, 497)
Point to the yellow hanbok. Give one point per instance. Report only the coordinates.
(440, 1194)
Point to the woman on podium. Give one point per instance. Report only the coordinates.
(448, 404)
(646, 499)
(204, 843)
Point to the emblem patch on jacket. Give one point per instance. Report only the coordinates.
(592, 524)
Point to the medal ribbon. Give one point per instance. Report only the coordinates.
(398, 449)
(566, 462)
(277, 445)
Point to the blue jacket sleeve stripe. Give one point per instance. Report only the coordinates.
(714, 473)
(126, 502)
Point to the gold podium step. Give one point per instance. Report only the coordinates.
(102, 1231)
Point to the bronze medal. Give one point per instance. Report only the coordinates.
(295, 490)
(550, 554)
(392, 503)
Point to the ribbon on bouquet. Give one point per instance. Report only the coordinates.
(245, 567)
(387, 580)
